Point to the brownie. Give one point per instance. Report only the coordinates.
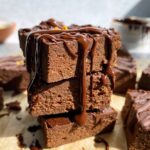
(61, 129)
(13, 74)
(64, 96)
(144, 82)
(1, 98)
(136, 117)
(125, 72)
(61, 51)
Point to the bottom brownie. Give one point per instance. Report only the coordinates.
(61, 129)
(136, 117)
(1, 98)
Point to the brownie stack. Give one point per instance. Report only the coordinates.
(71, 79)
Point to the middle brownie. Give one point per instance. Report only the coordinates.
(64, 96)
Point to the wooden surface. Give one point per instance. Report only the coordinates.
(10, 126)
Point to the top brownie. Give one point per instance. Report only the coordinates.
(59, 52)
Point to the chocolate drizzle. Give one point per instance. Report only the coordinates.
(83, 40)
(87, 46)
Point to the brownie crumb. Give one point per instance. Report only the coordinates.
(18, 118)
(13, 106)
(99, 139)
(20, 140)
(35, 145)
(34, 128)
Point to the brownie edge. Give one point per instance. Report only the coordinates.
(62, 130)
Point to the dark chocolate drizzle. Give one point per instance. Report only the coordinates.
(86, 47)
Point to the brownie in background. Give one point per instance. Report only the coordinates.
(125, 72)
(13, 74)
(136, 117)
(47, 100)
(144, 82)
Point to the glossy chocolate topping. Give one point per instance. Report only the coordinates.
(86, 46)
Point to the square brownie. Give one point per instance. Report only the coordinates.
(61, 129)
(64, 96)
(144, 82)
(136, 117)
(125, 72)
(1, 98)
(61, 51)
(13, 74)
